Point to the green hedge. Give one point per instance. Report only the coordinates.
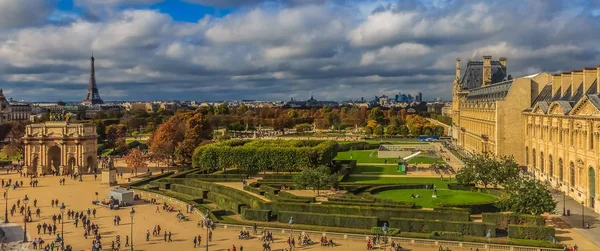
(356, 146)
(188, 190)
(382, 188)
(149, 179)
(475, 208)
(350, 200)
(240, 196)
(383, 214)
(441, 235)
(256, 214)
(411, 224)
(379, 231)
(331, 220)
(289, 195)
(269, 189)
(370, 204)
(225, 202)
(254, 190)
(264, 155)
(273, 197)
(530, 232)
(237, 177)
(284, 177)
(503, 220)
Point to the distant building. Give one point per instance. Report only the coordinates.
(419, 97)
(312, 102)
(383, 100)
(12, 111)
(435, 107)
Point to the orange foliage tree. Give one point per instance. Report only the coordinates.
(135, 159)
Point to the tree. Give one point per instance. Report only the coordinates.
(372, 123)
(115, 136)
(487, 169)
(391, 130)
(197, 129)
(368, 130)
(135, 159)
(15, 146)
(378, 130)
(403, 130)
(527, 196)
(303, 128)
(377, 115)
(292, 114)
(316, 178)
(222, 109)
(165, 140)
(101, 130)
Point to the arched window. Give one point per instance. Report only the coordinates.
(572, 167)
(542, 162)
(560, 170)
(526, 155)
(550, 166)
(534, 158)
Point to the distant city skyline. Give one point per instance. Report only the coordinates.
(276, 49)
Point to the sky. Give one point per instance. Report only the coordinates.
(279, 49)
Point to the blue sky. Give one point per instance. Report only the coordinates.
(278, 49)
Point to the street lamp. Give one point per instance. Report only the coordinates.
(208, 223)
(385, 229)
(6, 201)
(62, 222)
(132, 213)
(565, 203)
(25, 201)
(291, 229)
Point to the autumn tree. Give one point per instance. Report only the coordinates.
(15, 146)
(115, 136)
(197, 129)
(135, 159)
(377, 115)
(165, 140)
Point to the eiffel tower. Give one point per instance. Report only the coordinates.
(92, 97)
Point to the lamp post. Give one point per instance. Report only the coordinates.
(582, 214)
(564, 203)
(291, 229)
(96, 196)
(207, 223)
(385, 229)
(25, 201)
(6, 201)
(132, 213)
(62, 223)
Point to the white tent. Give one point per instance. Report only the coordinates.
(124, 196)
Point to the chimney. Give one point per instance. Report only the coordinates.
(598, 79)
(457, 68)
(556, 83)
(503, 61)
(589, 75)
(576, 80)
(487, 70)
(566, 83)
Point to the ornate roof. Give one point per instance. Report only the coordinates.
(567, 101)
(473, 77)
(491, 92)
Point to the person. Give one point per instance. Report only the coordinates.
(127, 240)
(165, 236)
(195, 241)
(233, 248)
(575, 248)
(147, 235)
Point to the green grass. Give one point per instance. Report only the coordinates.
(387, 170)
(401, 180)
(370, 156)
(425, 160)
(363, 156)
(390, 141)
(444, 197)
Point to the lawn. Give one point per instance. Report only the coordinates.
(401, 180)
(444, 197)
(370, 156)
(393, 142)
(388, 170)
(425, 160)
(363, 156)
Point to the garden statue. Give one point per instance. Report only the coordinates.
(434, 195)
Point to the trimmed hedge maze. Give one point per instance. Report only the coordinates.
(266, 202)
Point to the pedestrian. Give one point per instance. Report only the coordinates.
(127, 240)
(157, 209)
(165, 236)
(195, 241)
(210, 236)
(94, 213)
(147, 235)
(170, 240)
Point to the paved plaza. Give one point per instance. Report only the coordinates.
(78, 196)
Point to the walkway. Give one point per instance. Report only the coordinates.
(454, 162)
(575, 220)
(238, 186)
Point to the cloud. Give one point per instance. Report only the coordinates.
(278, 49)
(22, 13)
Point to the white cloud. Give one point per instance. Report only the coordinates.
(20, 13)
(396, 54)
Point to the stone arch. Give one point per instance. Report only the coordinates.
(34, 165)
(572, 173)
(54, 159)
(89, 164)
(71, 164)
(592, 186)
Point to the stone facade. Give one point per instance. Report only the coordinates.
(562, 135)
(548, 123)
(60, 146)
